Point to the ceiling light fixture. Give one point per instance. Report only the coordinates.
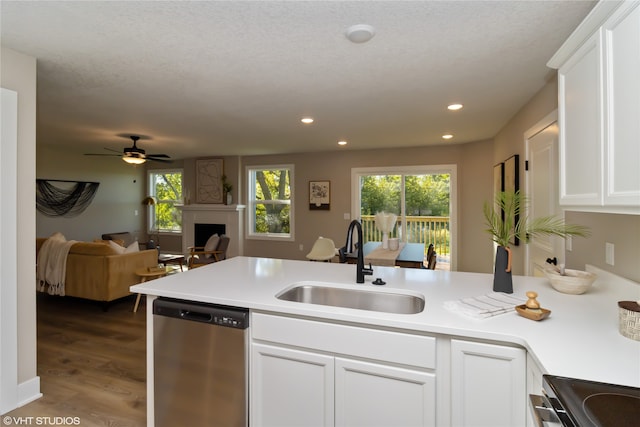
(447, 136)
(307, 120)
(132, 160)
(360, 33)
(455, 107)
(342, 142)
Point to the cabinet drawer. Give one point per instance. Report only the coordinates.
(390, 346)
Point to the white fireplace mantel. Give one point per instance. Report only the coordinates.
(229, 215)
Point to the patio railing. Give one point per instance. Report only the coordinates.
(420, 229)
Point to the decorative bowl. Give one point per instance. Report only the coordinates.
(573, 282)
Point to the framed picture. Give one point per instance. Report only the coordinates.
(319, 195)
(209, 180)
(512, 183)
(498, 183)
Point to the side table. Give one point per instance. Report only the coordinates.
(165, 259)
(145, 274)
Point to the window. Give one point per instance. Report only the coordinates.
(270, 199)
(422, 197)
(165, 186)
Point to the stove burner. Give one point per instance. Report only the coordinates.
(585, 403)
(598, 408)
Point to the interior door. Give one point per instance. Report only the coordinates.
(542, 189)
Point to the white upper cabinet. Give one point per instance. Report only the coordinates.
(599, 110)
(580, 116)
(621, 38)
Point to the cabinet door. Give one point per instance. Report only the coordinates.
(622, 53)
(371, 394)
(290, 387)
(488, 385)
(580, 117)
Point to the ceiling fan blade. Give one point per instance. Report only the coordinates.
(153, 159)
(115, 151)
(158, 155)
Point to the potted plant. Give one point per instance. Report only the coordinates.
(501, 224)
(226, 189)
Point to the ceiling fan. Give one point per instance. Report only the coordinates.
(134, 155)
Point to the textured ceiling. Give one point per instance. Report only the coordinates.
(235, 77)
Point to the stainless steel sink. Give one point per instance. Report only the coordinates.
(387, 302)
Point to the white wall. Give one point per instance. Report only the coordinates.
(18, 73)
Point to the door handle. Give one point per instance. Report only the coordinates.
(553, 261)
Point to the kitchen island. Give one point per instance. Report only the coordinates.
(580, 339)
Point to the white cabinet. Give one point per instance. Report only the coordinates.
(599, 114)
(621, 39)
(580, 117)
(301, 368)
(291, 387)
(534, 386)
(488, 385)
(374, 394)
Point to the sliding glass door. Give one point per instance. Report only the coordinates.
(422, 198)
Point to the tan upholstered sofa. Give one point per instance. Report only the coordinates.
(95, 271)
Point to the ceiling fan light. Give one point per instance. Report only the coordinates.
(134, 160)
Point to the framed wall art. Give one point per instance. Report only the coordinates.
(209, 180)
(319, 195)
(512, 183)
(498, 184)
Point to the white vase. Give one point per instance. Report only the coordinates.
(385, 240)
(229, 199)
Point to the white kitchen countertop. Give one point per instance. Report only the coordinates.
(580, 338)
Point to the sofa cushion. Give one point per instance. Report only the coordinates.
(89, 248)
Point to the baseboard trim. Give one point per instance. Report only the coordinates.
(29, 391)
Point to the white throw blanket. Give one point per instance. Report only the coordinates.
(486, 305)
(52, 264)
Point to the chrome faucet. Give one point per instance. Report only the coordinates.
(361, 270)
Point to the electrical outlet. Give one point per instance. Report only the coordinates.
(301, 247)
(568, 244)
(135, 212)
(347, 216)
(609, 249)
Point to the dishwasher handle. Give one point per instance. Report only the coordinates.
(219, 315)
(196, 316)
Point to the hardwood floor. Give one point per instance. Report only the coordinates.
(91, 363)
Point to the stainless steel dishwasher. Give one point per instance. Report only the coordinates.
(200, 364)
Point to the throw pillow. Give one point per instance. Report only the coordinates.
(212, 244)
(133, 247)
(116, 247)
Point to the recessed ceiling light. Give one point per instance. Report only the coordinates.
(360, 33)
(447, 136)
(455, 107)
(307, 120)
(342, 142)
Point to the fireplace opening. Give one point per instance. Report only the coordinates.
(202, 232)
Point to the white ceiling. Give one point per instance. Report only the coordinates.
(235, 77)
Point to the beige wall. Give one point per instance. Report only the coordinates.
(510, 141)
(18, 73)
(621, 230)
(113, 208)
(474, 165)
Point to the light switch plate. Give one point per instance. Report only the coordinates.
(609, 249)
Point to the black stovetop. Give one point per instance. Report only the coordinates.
(594, 404)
